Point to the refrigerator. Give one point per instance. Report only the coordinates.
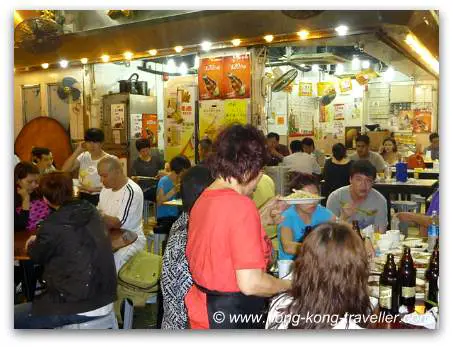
(122, 121)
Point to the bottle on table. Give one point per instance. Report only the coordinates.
(431, 281)
(356, 228)
(407, 275)
(433, 231)
(389, 288)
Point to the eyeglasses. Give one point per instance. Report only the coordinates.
(363, 180)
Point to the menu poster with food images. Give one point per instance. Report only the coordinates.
(235, 111)
(117, 116)
(345, 85)
(236, 77)
(405, 118)
(150, 128)
(302, 111)
(305, 89)
(210, 78)
(211, 118)
(339, 111)
(421, 123)
(136, 126)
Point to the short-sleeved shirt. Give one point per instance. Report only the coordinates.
(373, 210)
(225, 235)
(166, 184)
(88, 170)
(434, 206)
(374, 158)
(148, 168)
(126, 204)
(302, 162)
(297, 226)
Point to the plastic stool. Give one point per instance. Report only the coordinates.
(105, 322)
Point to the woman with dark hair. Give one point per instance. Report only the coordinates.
(176, 279)
(292, 231)
(329, 279)
(29, 207)
(389, 151)
(227, 249)
(75, 251)
(336, 170)
(85, 159)
(167, 189)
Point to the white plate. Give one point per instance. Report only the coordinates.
(301, 201)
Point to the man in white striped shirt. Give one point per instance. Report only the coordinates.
(121, 205)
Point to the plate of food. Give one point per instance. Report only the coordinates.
(301, 197)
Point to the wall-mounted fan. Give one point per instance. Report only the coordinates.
(38, 34)
(68, 90)
(277, 81)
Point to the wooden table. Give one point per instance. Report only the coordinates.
(423, 187)
(119, 238)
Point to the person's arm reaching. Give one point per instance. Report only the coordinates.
(71, 164)
(289, 245)
(257, 282)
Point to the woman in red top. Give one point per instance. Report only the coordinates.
(227, 250)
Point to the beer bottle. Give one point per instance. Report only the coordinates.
(431, 276)
(407, 275)
(388, 288)
(356, 228)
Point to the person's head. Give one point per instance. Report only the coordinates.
(296, 146)
(363, 145)
(273, 140)
(111, 172)
(94, 138)
(193, 183)
(330, 276)
(205, 147)
(308, 183)
(339, 151)
(179, 164)
(308, 145)
(389, 145)
(143, 147)
(42, 157)
(56, 188)
(434, 139)
(239, 153)
(26, 176)
(361, 178)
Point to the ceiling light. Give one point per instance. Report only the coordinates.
(269, 38)
(171, 66)
(206, 45)
(315, 67)
(355, 63)
(64, 63)
(365, 64)
(105, 58)
(423, 52)
(339, 69)
(45, 65)
(236, 42)
(342, 30)
(389, 74)
(303, 34)
(183, 69)
(84, 60)
(196, 63)
(178, 49)
(128, 55)
(152, 52)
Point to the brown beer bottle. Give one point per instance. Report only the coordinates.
(388, 288)
(431, 276)
(356, 228)
(407, 275)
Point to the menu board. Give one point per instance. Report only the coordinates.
(236, 77)
(224, 77)
(210, 78)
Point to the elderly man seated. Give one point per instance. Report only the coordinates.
(121, 205)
